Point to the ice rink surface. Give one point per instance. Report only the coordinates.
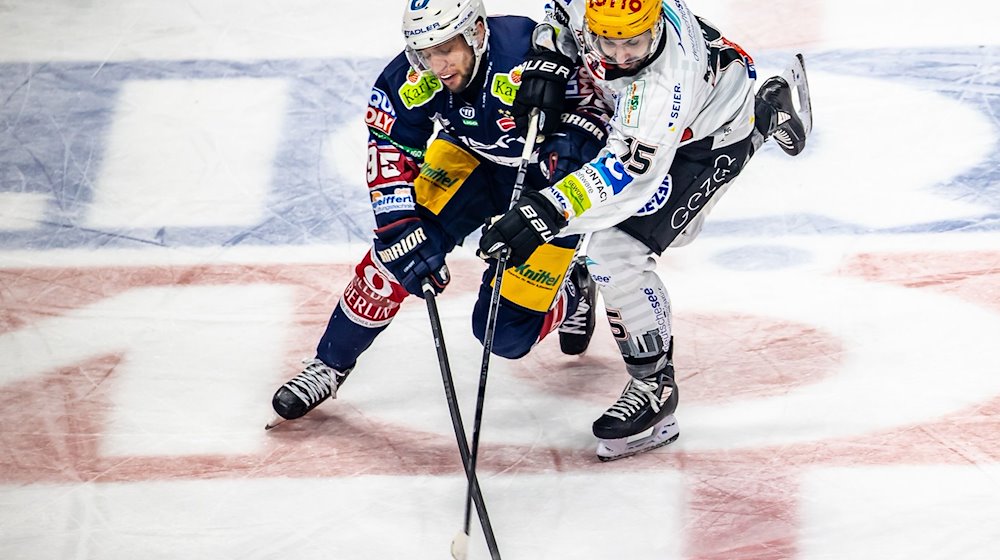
(182, 197)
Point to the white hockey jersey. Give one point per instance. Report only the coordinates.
(686, 94)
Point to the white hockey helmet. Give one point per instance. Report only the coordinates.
(427, 23)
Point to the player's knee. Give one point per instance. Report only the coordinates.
(516, 330)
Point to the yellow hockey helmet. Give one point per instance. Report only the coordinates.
(621, 19)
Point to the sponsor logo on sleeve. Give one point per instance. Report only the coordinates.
(675, 107)
(398, 200)
(575, 193)
(612, 172)
(658, 200)
(631, 103)
(380, 114)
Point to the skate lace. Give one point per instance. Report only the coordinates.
(316, 382)
(635, 396)
(577, 322)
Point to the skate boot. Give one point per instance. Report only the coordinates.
(645, 404)
(775, 111)
(305, 391)
(578, 328)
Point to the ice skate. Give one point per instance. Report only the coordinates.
(788, 125)
(576, 331)
(646, 405)
(302, 393)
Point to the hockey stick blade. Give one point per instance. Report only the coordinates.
(796, 77)
(460, 546)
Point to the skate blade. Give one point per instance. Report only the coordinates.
(274, 422)
(663, 433)
(795, 75)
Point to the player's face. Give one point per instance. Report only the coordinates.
(624, 53)
(452, 62)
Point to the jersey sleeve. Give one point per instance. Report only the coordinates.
(648, 125)
(397, 138)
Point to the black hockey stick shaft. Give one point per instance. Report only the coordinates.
(494, 308)
(456, 420)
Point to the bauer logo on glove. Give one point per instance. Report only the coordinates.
(533, 222)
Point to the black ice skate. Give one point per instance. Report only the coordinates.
(578, 328)
(305, 391)
(788, 125)
(646, 404)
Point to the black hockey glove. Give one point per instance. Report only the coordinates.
(406, 250)
(543, 86)
(533, 222)
(579, 139)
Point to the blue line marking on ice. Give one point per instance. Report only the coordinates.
(55, 120)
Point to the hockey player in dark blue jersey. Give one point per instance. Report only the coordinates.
(460, 71)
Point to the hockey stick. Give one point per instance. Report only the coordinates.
(456, 420)
(460, 544)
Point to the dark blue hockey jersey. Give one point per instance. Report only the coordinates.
(405, 105)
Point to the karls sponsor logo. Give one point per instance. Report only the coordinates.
(542, 277)
(724, 166)
(403, 246)
(419, 88)
(504, 86)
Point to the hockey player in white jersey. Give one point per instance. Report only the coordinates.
(685, 122)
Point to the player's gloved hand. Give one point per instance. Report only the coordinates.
(578, 141)
(543, 86)
(405, 249)
(531, 223)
